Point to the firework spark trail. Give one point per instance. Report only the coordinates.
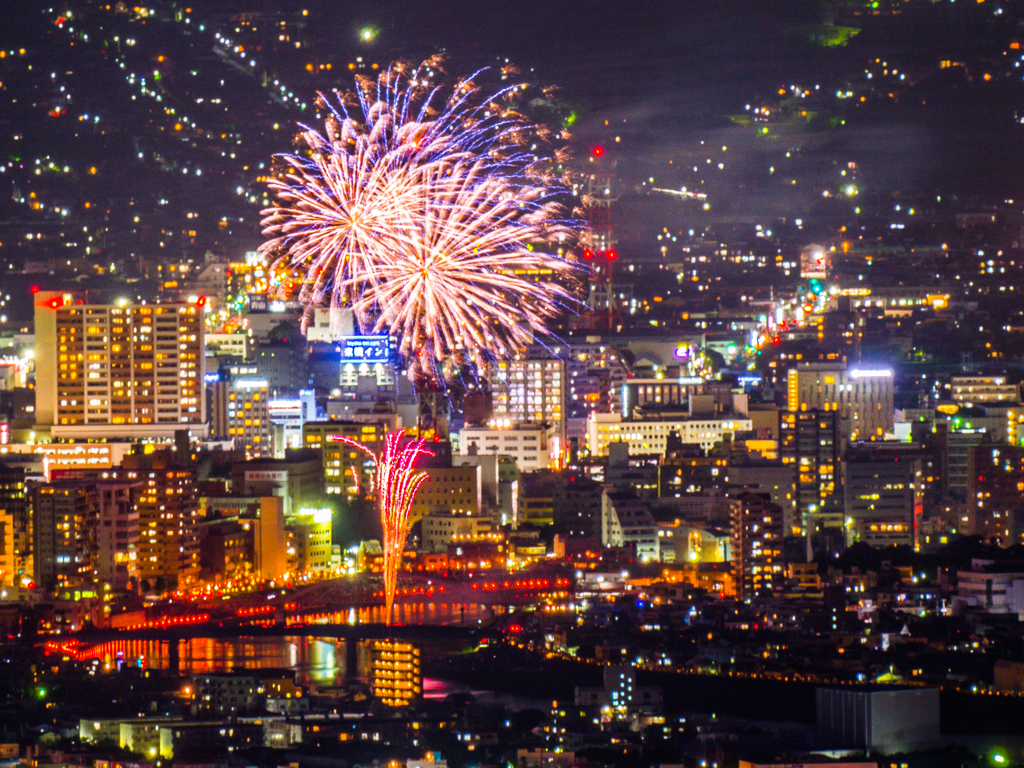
(397, 483)
(429, 215)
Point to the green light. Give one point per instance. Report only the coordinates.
(367, 34)
(41, 692)
(998, 758)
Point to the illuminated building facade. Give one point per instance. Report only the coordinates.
(117, 371)
(439, 529)
(8, 558)
(365, 357)
(65, 547)
(309, 535)
(531, 389)
(396, 673)
(757, 546)
(239, 412)
(298, 478)
(168, 506)
(14, 502)
(448, 489)
(649, 436)
(809, 441)
(884, 500)
(346, 469)
(862, 397)
(117, 535)
(529, 445)
(975, 390)
(995, 497)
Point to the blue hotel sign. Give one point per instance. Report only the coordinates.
(367, 349)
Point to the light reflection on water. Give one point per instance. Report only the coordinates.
(312, 659)
(320, 660)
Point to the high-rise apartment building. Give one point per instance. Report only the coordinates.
(117, 533)
(239, 412)
(809, 441)
(757, 546)
(530, 389)
(65, 545)
(396, 672)
(167, 502)
(118, 371)
(862, 397)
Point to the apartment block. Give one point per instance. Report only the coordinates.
(117, 371)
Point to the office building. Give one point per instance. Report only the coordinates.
(757, 546)
(883, 500)
(309, 536)
(287, 417)
(117, 371)
(448, 489)
(983, 390)
(956, 446)
(368, 365)
(651, 436)
(441, 528)
(298, 479)
(529, 445)
(395, 672)
(991, 587)
(861, 397)
(239, 411)
(626, 521)
(346, 469)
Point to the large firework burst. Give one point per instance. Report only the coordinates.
(431, 213)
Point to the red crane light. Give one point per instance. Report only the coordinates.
(611, 255)
(598, 150)
(35, 289)
(588, 254)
